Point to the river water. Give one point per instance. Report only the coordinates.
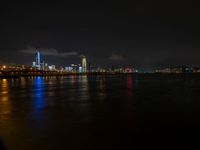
(99, 112)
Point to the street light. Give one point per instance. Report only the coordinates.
(4, 67)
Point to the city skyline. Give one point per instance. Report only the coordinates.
(143, 34)
(99, 75)
(41, 56)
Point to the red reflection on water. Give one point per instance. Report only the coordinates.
(129, 86)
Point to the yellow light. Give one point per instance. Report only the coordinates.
(4, 67)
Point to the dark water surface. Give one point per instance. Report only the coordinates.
(98, 112)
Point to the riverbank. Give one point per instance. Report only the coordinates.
(60, 74)
(49, 73)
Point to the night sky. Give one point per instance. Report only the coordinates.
(141, 33)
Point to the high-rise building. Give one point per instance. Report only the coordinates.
(34, 64)
(84, 64)
(38, 59)
(52, 68)
(42, 65)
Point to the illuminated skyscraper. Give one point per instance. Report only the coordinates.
(34, 64)
(84, 64)
(38, 59)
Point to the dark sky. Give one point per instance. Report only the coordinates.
(141, 33)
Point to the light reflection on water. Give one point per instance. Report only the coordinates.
(102, 88)
(129, 85)
(84, 93)
(39, 93)
(51, 111)
(4, 99)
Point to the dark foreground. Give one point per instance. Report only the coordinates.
(100, 112)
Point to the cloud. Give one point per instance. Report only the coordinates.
(49, 52)
(116, 57)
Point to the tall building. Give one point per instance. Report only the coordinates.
(52, 68)
(84, 64)
(34, 64)
(38, 59)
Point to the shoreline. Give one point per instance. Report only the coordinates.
(56, 74)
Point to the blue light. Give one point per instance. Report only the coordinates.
(39, 97)
(38, 60)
